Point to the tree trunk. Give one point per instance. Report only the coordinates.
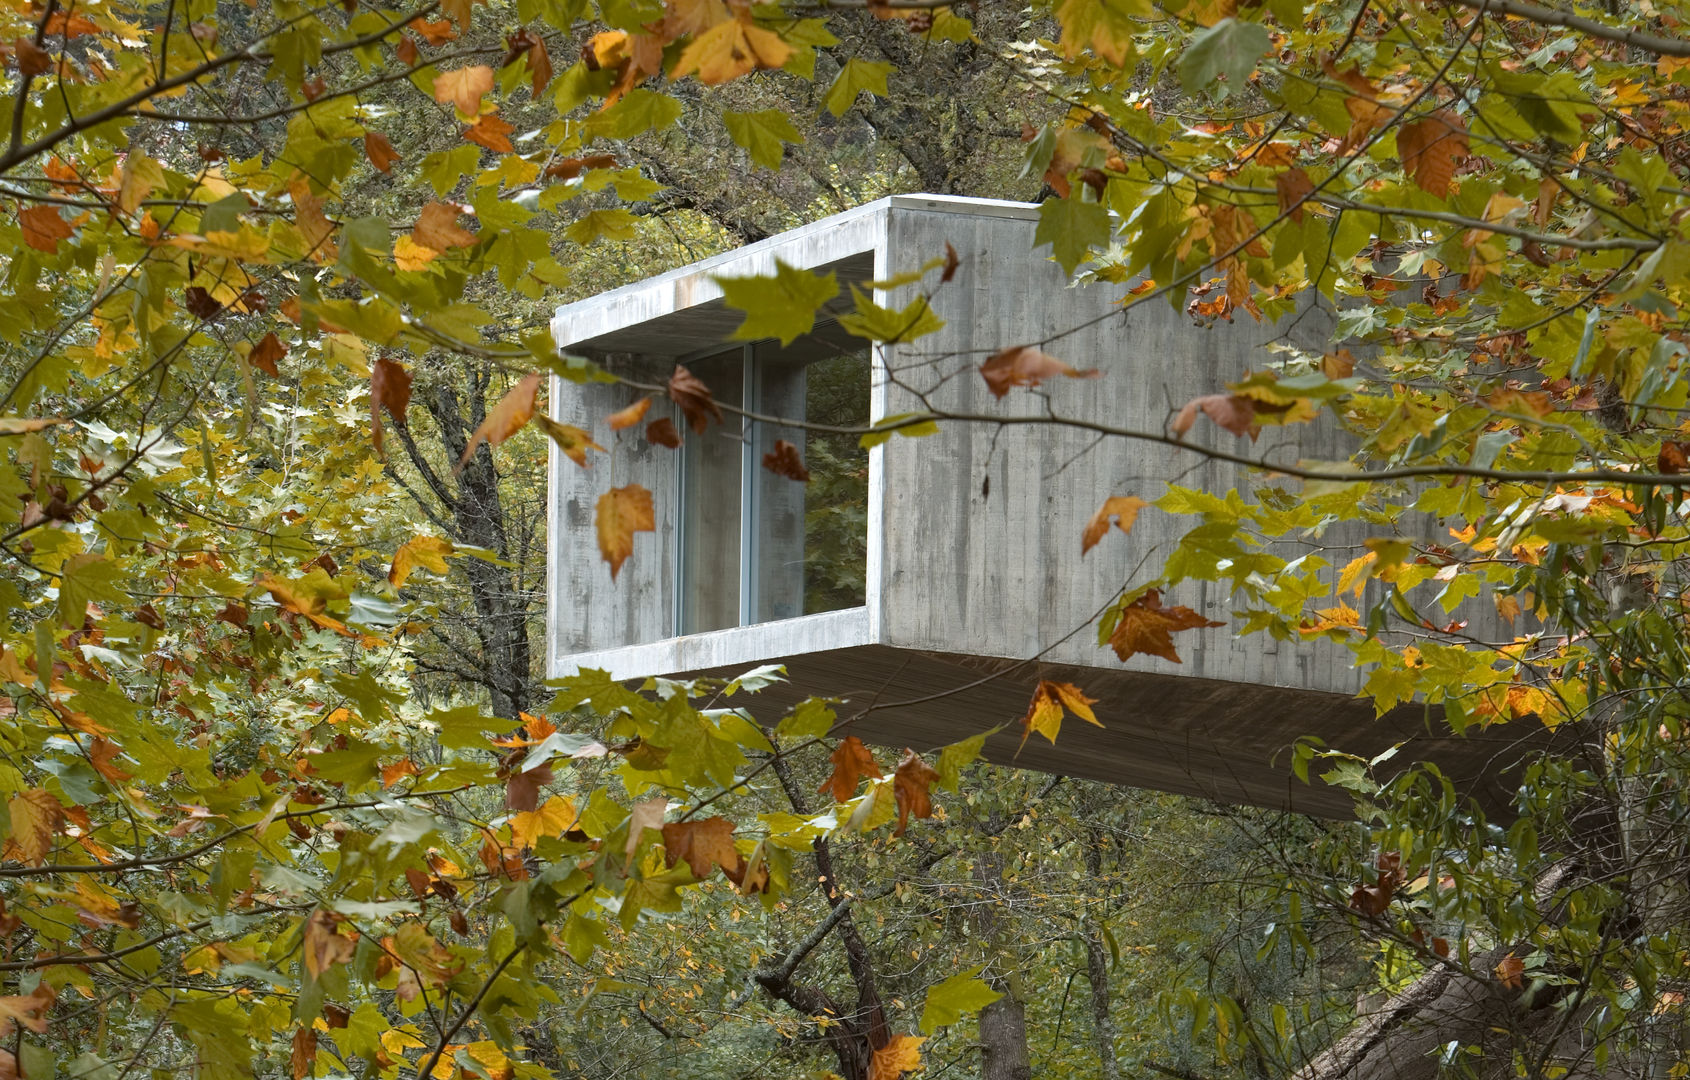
(1102, 1026)
(1003, 1023)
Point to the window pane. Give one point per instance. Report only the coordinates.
(811, 540)
(711, 478)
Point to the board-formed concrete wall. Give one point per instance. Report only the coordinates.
(976, 586)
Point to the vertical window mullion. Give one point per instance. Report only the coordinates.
(748, 491)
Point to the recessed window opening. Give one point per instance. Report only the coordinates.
(755, 546)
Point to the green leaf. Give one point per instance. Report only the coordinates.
(782, 305)
(1072, 228)
(955, 757)
(615, 223)
(855, 77)
(640, 111)
(960, 995)
(811, 719)
(762, 134)
(87, 579)
(1228, 49)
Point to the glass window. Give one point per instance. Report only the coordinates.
(712, 479)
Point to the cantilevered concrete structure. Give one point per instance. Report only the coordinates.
(939, 578)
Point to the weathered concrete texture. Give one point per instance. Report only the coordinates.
(974, 561)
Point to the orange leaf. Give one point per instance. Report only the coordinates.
(314, 225)
(304, 1052)
(491, 132)
(701, 845)
(508, 417)
(30, 1010)
(324, 945)
(1293, 187)
(1430, 149)
(851, 762)
(1025, 365)
(622, 512)
(901, 1054)
(1509, 970)
(379, 151)
(265, 354)
(428, 552)
(434, 31)
(910, 784)
(694, 399)
(70, 26)
(1121, 509)
(390, 388)
(397, 771)
(43, 228)
(783, 460)
(437, 227)
(633, 414)
(36, 819)
(662, 432)
(573, 441)
(102, 753)
(1146, 627)
(464, 88)
(31, 58)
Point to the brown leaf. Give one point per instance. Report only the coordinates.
(662, 432)
(1672, 459)
(36, 818)
(406, 50)
(31, 58)
(1234, 412)
(523, 787)
(950, 264)
(379, 151)
(390, 388)
(910, 784)
(1430, 149)
(265, 354)
(570, 168)
(701, 845)
(622, 512)
(573, 441)
(70, 26)
(694, 399)
(1026, 365)
(304, 1052)
(1293, 186)
(851, 762)
(1338, 365)
(783, 460)
(43, 228)
(508, 417)
(1122, 510)
(308, 215)
(633, 414)
(200, 304)
(1145, 626)
(437, 227)
(102, 754)
(642, 816)
(539, 61)
(324, 946)
(464, 88)
(492, 132)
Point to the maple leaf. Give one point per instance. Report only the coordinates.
(696, 403)
(265, 354)
(437, 227)
(433, 31)
(1146, 626)
(397, 771)
(851, 762)
(1026, 365)
(324, 945)
(379, 151)
(524, 43)
(783, 460)
(29, 1009)
(701, 845)
(1234, 412)
(464, 88)
(573, 441)
(492, 132)
(431, 962)
(633, 414)
(508, 417)
(731, 49)
(428, 552)
(570, 168)
(1430, 149)
(621, 513)
(901, 1054)
(1366, 110)
(523, 786)
(644, 815)
(1509, 971)
(662, 432)
(308, 215)
(556, 817)
(102, 754)
(1044, 712)
(1673, 458)
(910, 783)
(43, 228)
(31, 58)
(36, 819)
(1293, 187)
(70, 26)
(304, 1052)
(410, 255)
(390, 389)
(1122, 510)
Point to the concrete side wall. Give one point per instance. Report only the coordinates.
(982, 525)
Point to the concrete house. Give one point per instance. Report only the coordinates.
(939, 578)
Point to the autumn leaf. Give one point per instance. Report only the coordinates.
(523, 786)
(1673, 457)
(1430, 149)
(1234, 412)
(701, 844)
(437, 227)
(731, 49)
(661, 432)
(525, 43)
(304, 1054)
(1044, 712)
(434, 31)
(324, 945)
(508, 417)
(1026, 365)
(852, 761)
(1292, 188)
(647, 814)
(379, 151)
(574, 442)
(633, 414)
(570, 168)
(29, 1010)
(413, 946)
(622, 512)
(31, 58)
(411, 256)
(43, 228)
(492, 132)
(1145, 626)
(553, 819)
(428, 552)
(390, 389)
(910, 784)
(694, 399)
(783, 460)
(464, 88)
(265, 354)
(1122, 510)
(1509, 970)
(901, 1054)
(36, 818)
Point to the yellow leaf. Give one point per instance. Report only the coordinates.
(410, 255)
(573, 441)
(622, 512)
(901, 1054)
(552, 819)
(506, 418)
(428, 552)
(731, 49)
(464, 88)
(36, 817)
(1122, 509)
